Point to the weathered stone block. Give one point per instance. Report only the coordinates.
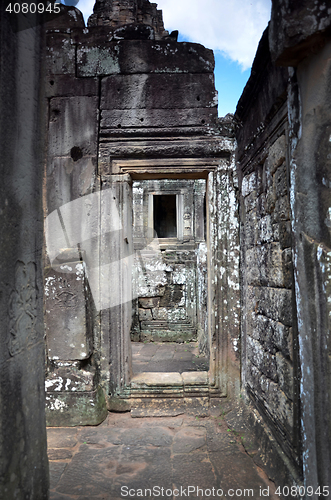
(60, 55)
(265, 229)
(270, 200)
(69, 86)
(162, 148)
(280, 180)
(149, 302)
(261, 207)
(285, 375)
(73, 124)
(161, 333)
(95, 61)
(253, 376)
(66, 409)
(118, 118)
(282, 209)
(249, 184)
(275, 401)
(169, 314)
(293, 26)
(250, 201)
(273, 335)
(285, 234)
(173, 296)
(140, 56)
(279, 406)
(179, 275)
(275, 303)
(70, 180)
(68, 18)
(155, 91)
(251, 229)
(287, 267)
(252, 268)
(144, 314)
(265, 265)
(67, 337)
(276, 155)
(264, 361)
(69, 379)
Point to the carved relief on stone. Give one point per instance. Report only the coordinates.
(187, 224)
(65, 299)
(23, 308)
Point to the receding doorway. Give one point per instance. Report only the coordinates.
(170, 327)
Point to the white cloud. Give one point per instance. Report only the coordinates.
(232, 26)
(86, 7)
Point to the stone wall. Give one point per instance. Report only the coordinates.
(268, 322)
(268, 263)
(283, 132)
(308, 57)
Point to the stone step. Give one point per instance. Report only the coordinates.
(158, 394)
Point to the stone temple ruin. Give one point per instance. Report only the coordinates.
(166, 223)
(140, 173)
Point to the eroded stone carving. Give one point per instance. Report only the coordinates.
(23, 308)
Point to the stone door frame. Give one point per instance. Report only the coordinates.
(222, 222)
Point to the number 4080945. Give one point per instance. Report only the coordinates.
(33, 8)
(301, 491)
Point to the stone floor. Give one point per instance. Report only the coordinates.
(167, 357)
(189, 457)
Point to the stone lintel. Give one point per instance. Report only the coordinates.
(187, 117)
(157, 166)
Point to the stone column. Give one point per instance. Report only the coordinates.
(23, 453)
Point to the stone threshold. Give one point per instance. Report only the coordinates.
(159, 394)
(165, 394)
(171, 384)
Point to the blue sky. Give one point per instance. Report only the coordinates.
(232, 28)
(230, 80)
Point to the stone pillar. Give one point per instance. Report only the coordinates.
(311, 223)
(115, 287)
(300, 39)
(23, 453)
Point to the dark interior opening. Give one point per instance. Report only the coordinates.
(165, 218)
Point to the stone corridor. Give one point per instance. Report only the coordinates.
(89, 114)
(124, 456)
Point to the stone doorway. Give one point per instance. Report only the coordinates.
(169, 275)
(169, 329)
(196, 279)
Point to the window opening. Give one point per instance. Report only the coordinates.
(165, 215)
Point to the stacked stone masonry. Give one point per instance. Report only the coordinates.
(268, 261)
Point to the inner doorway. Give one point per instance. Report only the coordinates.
(170, 326)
